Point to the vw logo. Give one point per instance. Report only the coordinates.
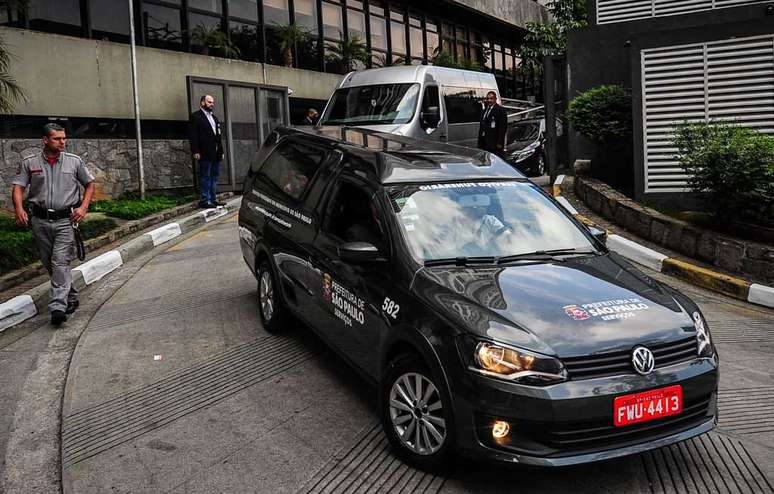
(643, 360)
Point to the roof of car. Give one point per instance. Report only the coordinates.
(400, 159)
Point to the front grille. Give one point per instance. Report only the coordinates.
(586, 435)
(619, 362)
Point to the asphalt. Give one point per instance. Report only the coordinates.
(166, 382)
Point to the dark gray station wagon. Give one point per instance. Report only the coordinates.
(491, 321)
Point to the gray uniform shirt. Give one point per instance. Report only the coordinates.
(53, 187)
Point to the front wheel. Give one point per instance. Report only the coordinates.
(270, 309)
(416, 414)
(540, 168)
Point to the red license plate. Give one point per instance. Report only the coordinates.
(649, 405)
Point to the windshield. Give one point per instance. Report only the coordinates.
(523, 131)
(482, 219)
(372, 105)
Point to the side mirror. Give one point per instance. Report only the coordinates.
(358, 252)
(430, 117)
(598, 233)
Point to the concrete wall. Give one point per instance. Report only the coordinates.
(515, 12)
(66, 76)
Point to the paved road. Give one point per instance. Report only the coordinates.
(175, 387)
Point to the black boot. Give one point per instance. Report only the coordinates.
(58, 317)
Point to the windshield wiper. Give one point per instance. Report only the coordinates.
(545, 255)
(461, 261)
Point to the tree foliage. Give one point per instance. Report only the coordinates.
(733, 166)
(550, 38)
(347, 54)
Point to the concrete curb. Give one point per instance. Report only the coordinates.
(22, 307)
(706, 278)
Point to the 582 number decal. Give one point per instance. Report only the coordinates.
(390, 307)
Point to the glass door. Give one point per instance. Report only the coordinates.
(243, 130)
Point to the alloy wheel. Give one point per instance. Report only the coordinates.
(266, 296)
(416, 413)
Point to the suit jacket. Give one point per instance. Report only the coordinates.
(492, 128)
(203, 141)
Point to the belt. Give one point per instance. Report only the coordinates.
(51, 214)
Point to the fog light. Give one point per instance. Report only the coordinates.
(500, 429)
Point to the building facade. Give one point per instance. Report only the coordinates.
(683, 60)
(73, 59)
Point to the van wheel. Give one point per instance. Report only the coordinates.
(416, 414)
(271, 311)
(541, 165)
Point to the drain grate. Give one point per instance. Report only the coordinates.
(708, 463)
(747, 411)
(369, 466)
(104, 426)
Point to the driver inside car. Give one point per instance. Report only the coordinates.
(490, 227)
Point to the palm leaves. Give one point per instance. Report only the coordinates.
(290, 35)
(10, 90)
(347, 53)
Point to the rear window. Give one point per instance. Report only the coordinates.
(291, 167)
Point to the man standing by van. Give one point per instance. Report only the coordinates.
(494, 123)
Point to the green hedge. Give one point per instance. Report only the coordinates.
(18, 249)
(602, 113)
(733, 166)
(131, 207)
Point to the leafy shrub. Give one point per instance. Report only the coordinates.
(131, 208)
(602, 113)
(18, 249)
(732, 165)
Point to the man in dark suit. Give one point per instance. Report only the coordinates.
(311, 117)
(493, 125)
(207, 149)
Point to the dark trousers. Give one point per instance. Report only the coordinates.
(209, 172)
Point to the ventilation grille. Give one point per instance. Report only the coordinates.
(730, 80)
(609, 11)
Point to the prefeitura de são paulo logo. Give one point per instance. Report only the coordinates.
(576, 313)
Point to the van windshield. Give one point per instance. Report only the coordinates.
(372, 105)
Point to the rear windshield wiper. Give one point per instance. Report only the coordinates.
(461, 261)
(545, 255)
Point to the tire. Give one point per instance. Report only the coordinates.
(424, 437)
(540, 167)
(272, 312)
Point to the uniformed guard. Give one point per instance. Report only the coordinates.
(54, 178)
(493, 126)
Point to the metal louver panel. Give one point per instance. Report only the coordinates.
(730, 80)
(609, 11)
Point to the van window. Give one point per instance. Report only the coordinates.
(291, 167)
(463, 104)
(372, 105)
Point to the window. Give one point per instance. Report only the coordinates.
(291, 167)
(275, 12)
(245, 38)
(307, 52)
(213, 6)
(463, 105)
(415, 38)
(56, 16)
(161, 26)
(462, 44)
(378, 33)
(109, 21)
(333, 25)
(199, 25)
(431, 33)
(356, 25)
(243, 9)
(398, 37)
(375, 104)
(354, 217)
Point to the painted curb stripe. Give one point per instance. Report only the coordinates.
(566, 204)
(556, 189)
(761, 294)
(101, 265)
(165, 233)
(211, 214)
(729, 285)
(16, 310)
(636, 252)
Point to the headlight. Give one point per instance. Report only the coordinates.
(702, 336)
(517, 365)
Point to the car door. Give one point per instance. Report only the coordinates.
(351, 294)
(283, 195)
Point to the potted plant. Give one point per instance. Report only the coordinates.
(213, 39)
(347, 53)
(290, 35)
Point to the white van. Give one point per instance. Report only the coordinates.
(421, 101)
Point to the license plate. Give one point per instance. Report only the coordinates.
(649, 405)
